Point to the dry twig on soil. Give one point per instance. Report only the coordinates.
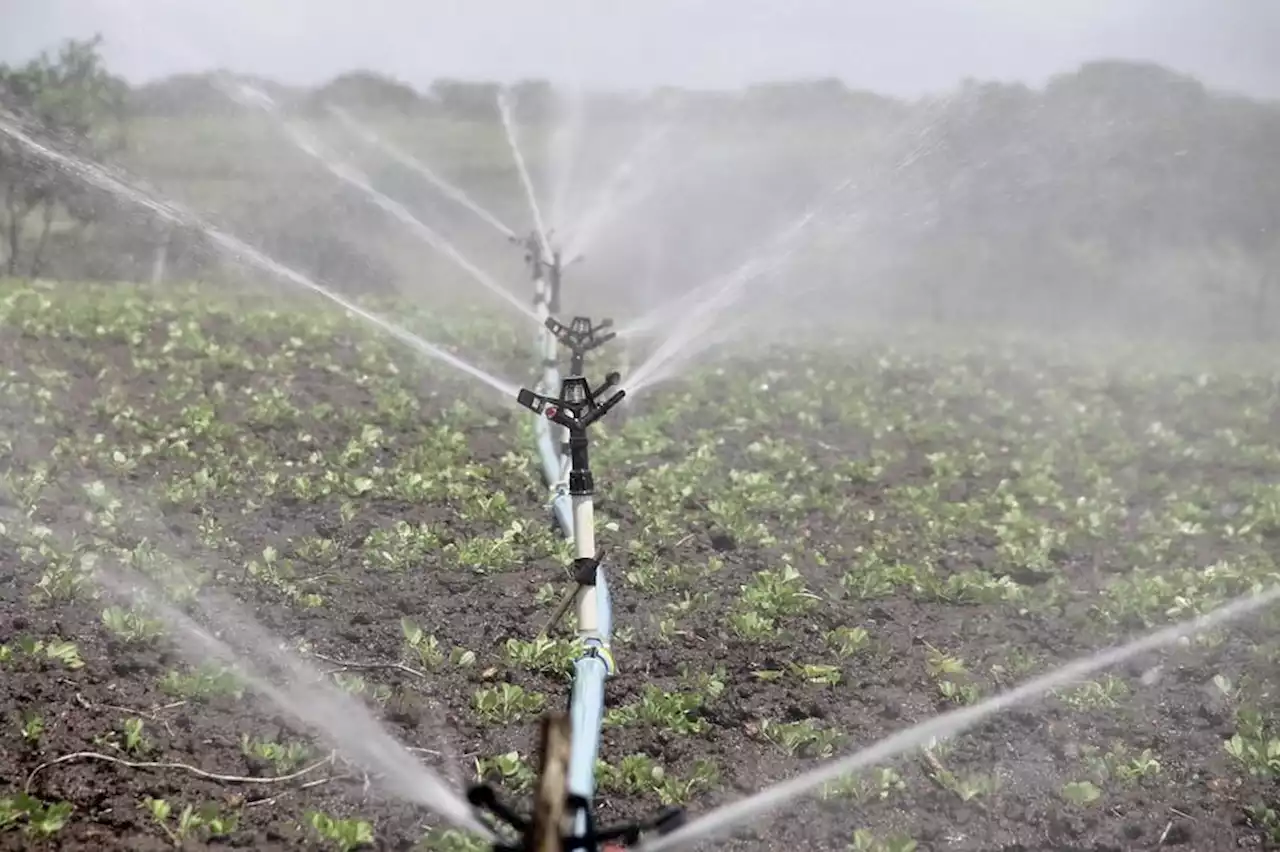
(212, 776)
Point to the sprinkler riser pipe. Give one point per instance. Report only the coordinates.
(581, 483)
(584, 526)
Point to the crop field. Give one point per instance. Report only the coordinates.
(808, 550)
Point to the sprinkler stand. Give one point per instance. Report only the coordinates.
(570, 779)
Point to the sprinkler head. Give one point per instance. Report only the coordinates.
(580, 336)
(578, 405)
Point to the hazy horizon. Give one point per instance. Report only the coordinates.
(908, 48)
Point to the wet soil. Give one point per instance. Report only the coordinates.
(1196, 802)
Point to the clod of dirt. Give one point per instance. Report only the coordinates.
(722, 542)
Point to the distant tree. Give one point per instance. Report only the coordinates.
(533, 101)
(180, 95)
(370, 90)
(798, 99)
(476, 101)
(77, 101)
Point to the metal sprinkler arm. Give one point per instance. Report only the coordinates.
(580, 337)
(577, 407)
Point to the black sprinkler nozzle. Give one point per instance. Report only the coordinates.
(578, 406)
(580, 336)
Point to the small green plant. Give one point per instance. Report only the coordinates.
(283, 758)
(1101, 694)
(345, 835)
(639, 774)
(777, 594)
(802, 739)
(507, 703)
(131, 731)
(424, 648)
(37, 818)
(876, 785)
(678, 712)
(542, 654)
(190, 822)
(1120, 764)
(33, 727)
(206, 681)
(847, 641)
(132, 626)
(64, 652)
(969, 787)
(510, 770)
(129, 738)
(1254, 746)
(1266, 820)
(1080, 793)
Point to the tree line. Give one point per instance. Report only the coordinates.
(1121, 183)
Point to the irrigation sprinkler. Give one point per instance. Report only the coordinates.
(546, 275)
(579, 337)
(571, 742)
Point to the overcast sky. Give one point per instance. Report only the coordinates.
(893, 46)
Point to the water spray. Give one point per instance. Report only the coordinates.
(571, 742)
(99, 176)
(372, 139)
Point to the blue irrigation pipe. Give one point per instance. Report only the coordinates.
(574, 408)
(568, 406)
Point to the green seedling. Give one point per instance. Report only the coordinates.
(1080, 793)
(209, 680)
(876, 784)
(509, 770)
(32, 727)
(38, 819)
(132, 625)
(801, 739)
(129, 739)
(1254, 745)
(424, 648)
(507, 703)
(1101, 694)
(283, 758)
(640, 775)
(542, 654)
(345, 835)
(847, 641)
(190, 822)
(677, 712)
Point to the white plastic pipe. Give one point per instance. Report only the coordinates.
(595, 626)
(584, 546)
